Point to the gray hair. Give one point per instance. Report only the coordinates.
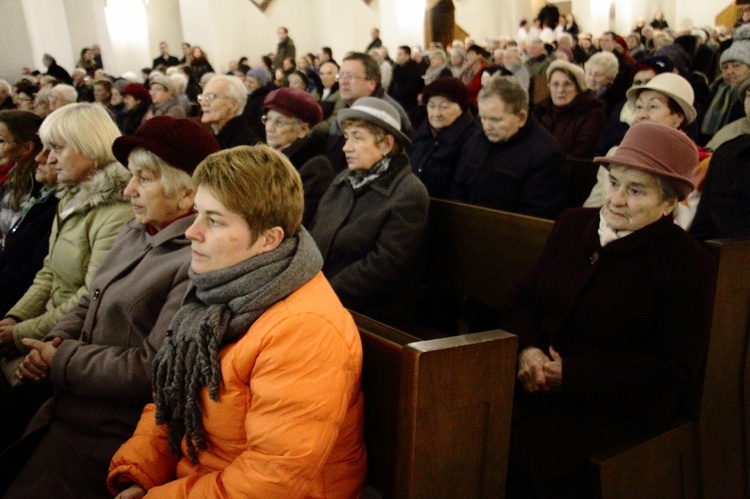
(236, 90)
(172, 179)
(509, 91)
(606, 60)
(64, 92)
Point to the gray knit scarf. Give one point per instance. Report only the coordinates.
(219, 308)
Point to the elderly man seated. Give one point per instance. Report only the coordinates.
(289, 118)
(515, 165)
(222, 102)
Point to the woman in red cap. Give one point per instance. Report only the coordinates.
(98, 357)
(612, 319)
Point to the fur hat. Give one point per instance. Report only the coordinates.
(450, 88)
(673, 86)
(740, 48)
(659, 150)
(164, 81)
(296, 103)
(379, 113)
(574, 71)
(261, 74)
(180, 142)
(136, 90)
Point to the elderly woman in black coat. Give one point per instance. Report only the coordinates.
(372, 221)
(612, 319)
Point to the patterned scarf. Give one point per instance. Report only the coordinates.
(361, 178)
(219, 308)
(718, 111)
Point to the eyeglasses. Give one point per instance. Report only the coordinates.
(349, 77)
(276, 122)
(209, 97)
(565, 85)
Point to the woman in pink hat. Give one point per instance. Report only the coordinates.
(612, 320)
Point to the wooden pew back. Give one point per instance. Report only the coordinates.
(437, 413)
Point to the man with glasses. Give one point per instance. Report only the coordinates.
(222, 102)
(359, 76)
(290, 117)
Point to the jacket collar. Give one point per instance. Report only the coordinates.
(388, 182)
(641, 238)
(172, 232)
(105, 186)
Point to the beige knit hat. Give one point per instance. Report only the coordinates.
(673, 86)
(574, 71)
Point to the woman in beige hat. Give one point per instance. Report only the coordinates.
(612, 321)
(571, 113)
(667, 100)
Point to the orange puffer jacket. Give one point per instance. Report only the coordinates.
(289, 418)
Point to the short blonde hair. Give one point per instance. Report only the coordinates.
(86, 127)
(172, 179)
(258, 183)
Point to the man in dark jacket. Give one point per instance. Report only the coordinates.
(290, 116)
(285, 49)
(165, 59)
(407, 79)
(515, 165)
(439, 142)
(57, 71)
(222, 102)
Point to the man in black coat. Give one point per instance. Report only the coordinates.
(515, 165)
(407, 81)
(222, 102)
(165, 59)
(58, 72)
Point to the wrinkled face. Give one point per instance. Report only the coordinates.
(328, 75)
(595, 77)
(217, 108)
(734, 71)
(653, 107)
(562, 88)
(159, 93)
(10, 150)
(71, 166)
(632, 199)
(642, 77)
(282, 130)
(498, 121)
(45, 174)
(361, 150)
(151, 205)
(220, 238)
(441, 112)
(352, 82)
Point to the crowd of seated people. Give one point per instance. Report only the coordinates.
(356, 150)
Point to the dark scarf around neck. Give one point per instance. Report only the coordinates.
(219, 308)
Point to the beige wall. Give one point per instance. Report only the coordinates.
(228, 29)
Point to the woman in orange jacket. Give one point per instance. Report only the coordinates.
(257, 387)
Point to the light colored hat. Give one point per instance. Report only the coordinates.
(379, 113)
(672, 85)
(164, 81)
(740, 48)
(660, 150)
(573, 70)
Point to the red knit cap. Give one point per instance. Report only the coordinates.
(136, 90)
(296, 103)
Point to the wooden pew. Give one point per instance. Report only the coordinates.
(478, 254)
(707, 454)
(437, 413)
(475, 256)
